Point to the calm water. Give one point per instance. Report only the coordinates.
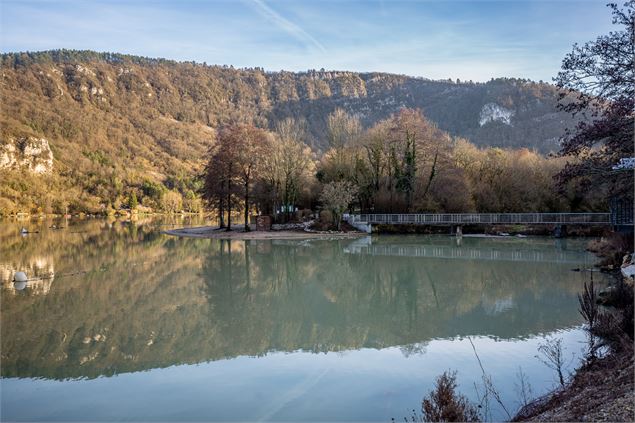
(135, 325)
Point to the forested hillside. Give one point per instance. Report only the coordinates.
(98, 123)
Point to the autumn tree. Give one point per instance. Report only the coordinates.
(221, 175)
(251, 145)
(172, 202)
(133, 203)
(598, 83)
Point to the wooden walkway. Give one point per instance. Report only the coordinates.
(483, 219)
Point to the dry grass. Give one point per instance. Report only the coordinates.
(611, 248)
(443, 404)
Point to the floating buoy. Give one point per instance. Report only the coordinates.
(20, 277)
(24, 231)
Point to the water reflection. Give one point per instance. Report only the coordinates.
(127, 298)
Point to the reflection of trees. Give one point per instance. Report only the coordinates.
(162, 301)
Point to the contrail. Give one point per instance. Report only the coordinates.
(286, 25)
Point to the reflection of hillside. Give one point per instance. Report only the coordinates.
(152, 301)
(41, 271)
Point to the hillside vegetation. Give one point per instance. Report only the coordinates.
(120, 126)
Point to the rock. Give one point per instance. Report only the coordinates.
(606, 291)
(492, 112)
(629, 271)
(28, 153)
(20, 277)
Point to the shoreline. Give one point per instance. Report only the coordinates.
(601, 391)
(213, 232)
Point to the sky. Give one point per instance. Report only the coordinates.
(470, 40)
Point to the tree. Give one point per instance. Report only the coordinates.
(220, 175)
(373, 145)
(236, 159)
(133, 201)
(598, 81)
(290, 160)
(336, 197)
(215, 182)
(191, 202)
(341, 130)
(172, 202)
(251, 145)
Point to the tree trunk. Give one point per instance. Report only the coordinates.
(229, 203)
(221, 211)
(247, 229)
(286, 199)
(433, 171)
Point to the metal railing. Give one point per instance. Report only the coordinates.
(483, 218)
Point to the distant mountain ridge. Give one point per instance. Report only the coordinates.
(503, 112)
(113, 117)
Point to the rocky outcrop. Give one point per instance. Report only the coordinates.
(492, 112)
(26, 153)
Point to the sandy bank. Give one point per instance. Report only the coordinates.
(215, 233)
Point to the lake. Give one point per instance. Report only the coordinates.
(131, 324)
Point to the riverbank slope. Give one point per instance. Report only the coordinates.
(600, 392)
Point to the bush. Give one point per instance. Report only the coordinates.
(445, 405)
(7, 207)
(611, 249)
(326, 217)
(172, 202)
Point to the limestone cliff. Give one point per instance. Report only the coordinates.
(26, 153)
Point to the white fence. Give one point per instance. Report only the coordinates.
(483, 218)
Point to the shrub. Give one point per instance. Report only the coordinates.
(443, 404)
(611, 249)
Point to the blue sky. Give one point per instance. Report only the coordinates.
(474, 40)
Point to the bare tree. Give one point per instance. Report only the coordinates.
(336, 197)
(341, 128)
(589, 308)
(251, 144)
(553, 357)
(523, 388)
(291, 160)
(598, 81)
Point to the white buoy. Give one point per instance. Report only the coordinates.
(19, 277)
(24, 231)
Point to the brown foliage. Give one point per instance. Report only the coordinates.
(443, 404)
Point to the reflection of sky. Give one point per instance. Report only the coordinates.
(507, 299)
(365, 384)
